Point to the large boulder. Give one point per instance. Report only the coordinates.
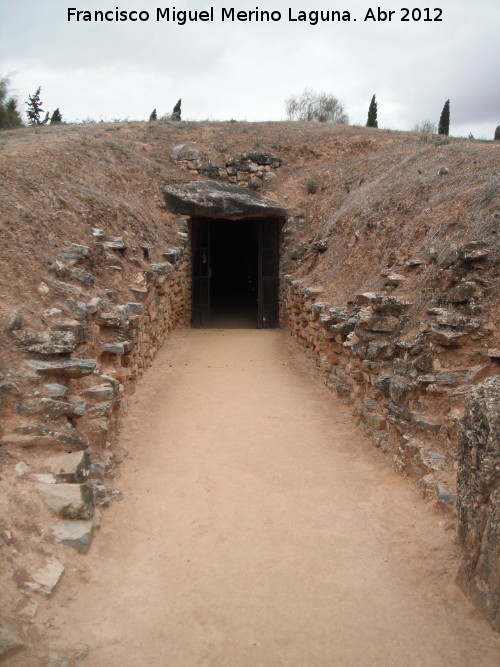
(210, 199)
(478, 498)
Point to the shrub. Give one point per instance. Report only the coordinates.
(312, 185)
(490, 193)
(318, 107)
(425, 127)
(9, 115)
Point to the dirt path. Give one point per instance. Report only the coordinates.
(259, 528)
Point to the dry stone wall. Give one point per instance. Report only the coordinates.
(60, 414)
(406, 378)
(252, 170)
(479, 498)
(431, 400)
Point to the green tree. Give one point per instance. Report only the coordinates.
(497, 133)
(9, 114)
(320, 107)
(56, 117)
(34, 109)
(176, 113)
(153, 116)
(372, 114)
(444, 120)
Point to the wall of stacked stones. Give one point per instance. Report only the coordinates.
(77, 366)
(253, 170)
(408, 391)
(422, 401)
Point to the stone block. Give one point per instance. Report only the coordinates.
(478, 498)
(434, 460)
(383, 304)
(44, 580)
(447, 337)
(99, 392)
(66, 288)
(444, 495)
(78, 249)
(70, 501)
(93, 305)
(48, 408)
(78, 407)
(70, 468)
(425, 423)
(463, 292)
(56, 390)
(379, 350)
(83, 277)
(473, 251)
(77, 308)
(112, 320)
(118, 348)
(97, 432)
(45, 342)
(100, 410)
(117, 243)
(381, 385)
(398, 389)
(163, 268)
(374, 322)
(68, 368)
(40, 435)
(76, 534)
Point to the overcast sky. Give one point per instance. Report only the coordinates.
(246, 70)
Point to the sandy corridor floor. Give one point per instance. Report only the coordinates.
(259, 528)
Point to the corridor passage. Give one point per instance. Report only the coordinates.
(260, 528)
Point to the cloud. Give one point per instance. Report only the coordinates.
(247, 69)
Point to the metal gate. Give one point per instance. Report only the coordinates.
(201, 274)
(268, 272)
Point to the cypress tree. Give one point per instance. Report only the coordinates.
(153, 116)
(372, 114)
(444, 121)
(497, 134)
(34, 109)
(56, 117)
(176, 113)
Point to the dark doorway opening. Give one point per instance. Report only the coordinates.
(234, 261)
(235, 273)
